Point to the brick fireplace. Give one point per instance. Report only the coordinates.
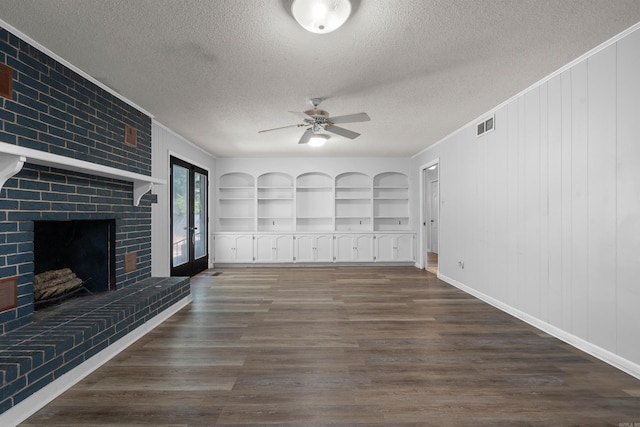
(55, 110)
(48, 107)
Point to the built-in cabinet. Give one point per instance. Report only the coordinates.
(274, 248)
(314, 217)
(314, 248)
(394, 247)
(233, 248)
(354, 247)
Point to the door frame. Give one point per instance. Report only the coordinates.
(169, 187)
(431, 212)
(425, 202)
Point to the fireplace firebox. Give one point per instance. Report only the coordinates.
(85, 247)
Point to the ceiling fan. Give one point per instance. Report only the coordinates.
(316, 120)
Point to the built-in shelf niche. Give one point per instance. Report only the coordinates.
(353, 202)
(236, 202)
(275, 202)
(314, 202)
(390, 201)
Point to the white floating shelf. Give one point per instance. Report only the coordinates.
(13, 157)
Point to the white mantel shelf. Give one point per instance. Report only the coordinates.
(13, 157)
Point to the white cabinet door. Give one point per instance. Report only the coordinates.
(264, 248)
(385, 244)
(363, 246)
(283, 248)
(274, 248)
(224, 248)
(344, 248)
(405, 244)
(233, 248)
(305, 248)
(244, 248)
(324, 248)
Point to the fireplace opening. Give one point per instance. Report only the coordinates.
(73, 258)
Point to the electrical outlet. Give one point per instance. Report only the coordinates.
(461, 264)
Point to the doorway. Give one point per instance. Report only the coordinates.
(189, 218)
(431, 216)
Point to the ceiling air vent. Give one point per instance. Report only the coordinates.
(485, 126)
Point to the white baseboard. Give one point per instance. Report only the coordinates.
(606, 356)
(42, 397)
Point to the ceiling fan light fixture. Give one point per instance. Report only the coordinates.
(318, 140)
(321, 16)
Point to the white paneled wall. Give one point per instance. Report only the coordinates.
(544, 211)
(165, 143)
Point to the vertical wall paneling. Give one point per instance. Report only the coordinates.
(601, 264)
(512, 202)
(521, 298)
(628, 200)
(554, 200)
(499, 214)
(490, 222)
(531, 204)
(567, 205)
(481, 230)
(579, 199)
(543, 204)
(557, 205)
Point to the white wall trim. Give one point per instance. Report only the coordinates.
(69, 65)
(42, 397)
(559, 71)
(606, 356)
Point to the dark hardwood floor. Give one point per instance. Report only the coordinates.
(345, 346)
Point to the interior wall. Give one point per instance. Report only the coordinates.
(166, 143)
(544, 212)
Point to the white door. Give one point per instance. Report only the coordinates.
(433, 223)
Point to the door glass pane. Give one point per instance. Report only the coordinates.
(200, 214)
(180, 199)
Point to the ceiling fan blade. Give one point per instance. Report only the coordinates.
(342, 131)
(282, 127)
(351, 118)
(306, 136)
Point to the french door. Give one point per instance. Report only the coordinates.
(189, 218)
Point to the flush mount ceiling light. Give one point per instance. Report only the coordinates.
(321, 16)
(318, 140)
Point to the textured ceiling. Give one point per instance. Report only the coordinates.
(217, 72)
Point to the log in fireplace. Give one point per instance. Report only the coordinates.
(81, 248)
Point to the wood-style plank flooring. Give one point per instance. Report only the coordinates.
(345, 346)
